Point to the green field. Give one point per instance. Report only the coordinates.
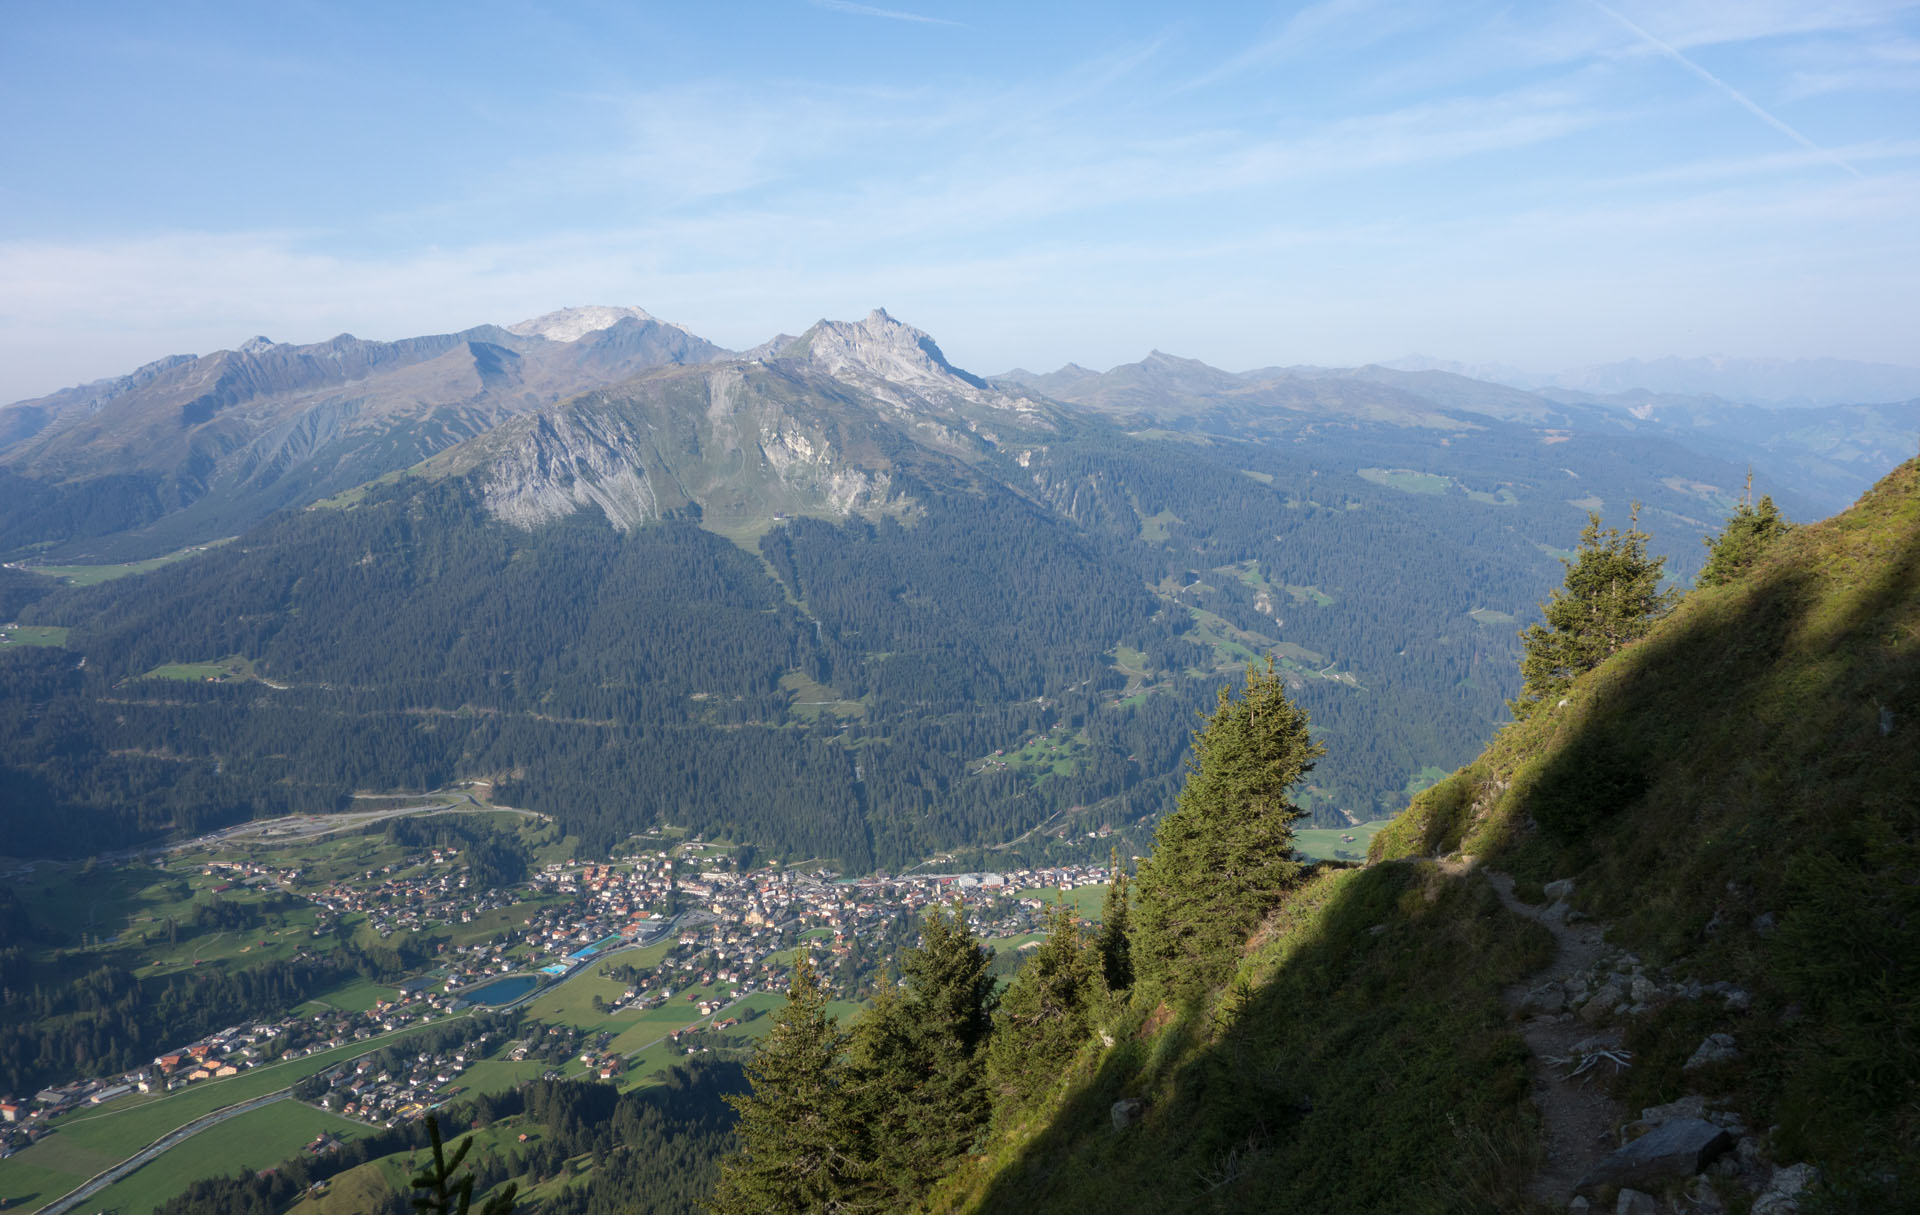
(1086, 900)
(257, 1139)
(1407, 480)
(34, 634)
(1327, 844)
(92, 575)
(357, 996)
(85, 1143)
(1489, 616)
(227, 670)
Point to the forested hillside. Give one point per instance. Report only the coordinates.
(1688, 866)
(800, 604)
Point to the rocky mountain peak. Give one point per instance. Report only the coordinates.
(258, 344)
(572, 324)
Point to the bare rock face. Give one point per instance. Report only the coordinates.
(1673, 1150)
(569, 461)
(903, 367)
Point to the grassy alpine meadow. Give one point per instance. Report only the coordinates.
(1337, 843)
(34, 634)
(255, 1140)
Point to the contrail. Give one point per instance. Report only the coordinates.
(1752, 106)
(867, 10)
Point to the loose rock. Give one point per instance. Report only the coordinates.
(1127, 1111)
(1718, 1048)
(1633, 1202)
(1674, 1149)
(1784, 1188)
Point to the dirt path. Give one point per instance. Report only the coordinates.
(1578, 1118)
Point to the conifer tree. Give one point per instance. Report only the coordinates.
(1610, 599)
(919, 1058)
(797, 1138)
(1751, 530)
(1115, 941)
(1224, 858)
(1045, 1013)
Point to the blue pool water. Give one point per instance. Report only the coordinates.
(503, 991)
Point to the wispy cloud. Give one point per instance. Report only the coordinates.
(1753, 107)
(890, 14)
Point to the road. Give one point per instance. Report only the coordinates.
(171, 1139)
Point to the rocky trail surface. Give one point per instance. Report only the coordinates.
(1578, 1118)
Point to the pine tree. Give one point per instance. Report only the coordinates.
(1115, 942)
(1224, 858)
(1750, 531)
(919, 1058)
(1611, 598)
(1046, 1013)
(797, 1139)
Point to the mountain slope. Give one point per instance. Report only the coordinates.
(188, 449)
(1732, 800)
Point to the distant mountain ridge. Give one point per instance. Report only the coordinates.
(189, 448)
(1828, 454)
(1776, 383)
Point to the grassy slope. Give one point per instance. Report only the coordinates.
(1738, 763)
(1270, 1099)
(1738, 796)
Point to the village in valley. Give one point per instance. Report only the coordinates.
(608, 969)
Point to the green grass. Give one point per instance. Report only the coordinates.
(86, 1142)
(1263, 478)
(1155, 528)
(93, 575)
(1331, 844)
(1406, 480)
(358, 996)
(1752, 757)
(1491, 617)
(812, 700)
(1357, 1071)
(226, 670)
(256, 1140)
(1086, 900)
(1309, 594)
(34, 634)
(1589, 502)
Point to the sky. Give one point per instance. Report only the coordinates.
(1543, 185)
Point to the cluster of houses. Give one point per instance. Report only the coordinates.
(217, 1056)
(412, 894)
(365, 1090)
(731, 928)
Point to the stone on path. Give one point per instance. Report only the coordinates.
(1675, 1149)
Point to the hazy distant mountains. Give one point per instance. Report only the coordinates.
(1777, 383)
(1827, 454)
(188, 448)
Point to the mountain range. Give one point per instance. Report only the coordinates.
(833, 596)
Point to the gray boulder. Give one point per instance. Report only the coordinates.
(1718, 1048)
(1633, 1202)
(1127, 1111)
(1560, 891)
(1678, 1148)
(1784, 1189)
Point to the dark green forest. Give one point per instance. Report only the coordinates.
(618, 680)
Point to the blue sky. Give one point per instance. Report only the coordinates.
(1540, 184)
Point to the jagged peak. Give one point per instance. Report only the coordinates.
(259, 344)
